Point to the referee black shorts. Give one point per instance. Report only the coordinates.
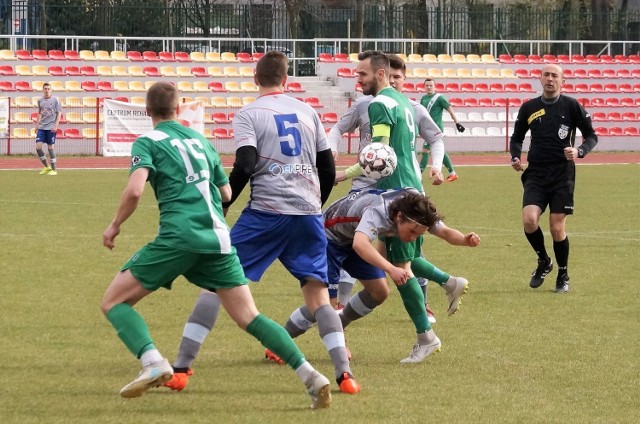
(550, 185)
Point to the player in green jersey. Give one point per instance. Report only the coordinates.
(190, 184)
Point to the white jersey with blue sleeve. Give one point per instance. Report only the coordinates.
(287, 134)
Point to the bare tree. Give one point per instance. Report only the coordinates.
(293, 10)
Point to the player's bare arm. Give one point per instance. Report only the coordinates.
(363, 247)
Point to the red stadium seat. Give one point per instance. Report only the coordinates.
(563, 58)
(635, 73)
(89, 86)
(24, 55)
(56, 55)
(623, 73)
(151, 71)
(256, 56)
(341, 57)
(631, 131)
(88, 71)
(580, 73)
(244, 57)
(104, 86)
(616, 131)
(220, 118)
(467, 87)
(549, 58)
(609, 73)
(629, 116)
(134, 56)
(439, 86)
(594, 73)
(294, 87)
(72, 71)
(23, 86)
(217, 87)
(598, 116)
(636, 87)
(592, 58)
(600, 131)
(578, 58)
(584, 101)
(620, 58)
(625, 88)
(330, 117)
(535, 73)
(581, 88)
(182, 57)
(614, 116)
(567, 87)
(199, 71)
(452, 87)
(40, 54)
(526, 87)
(7, 70)
(521, 73)
(71, 55)
(482, 101)
(456, 101)
(166, 57)
(611, 101)
(222, 133)
(535, 58)
(627, 102)
(598, 102)
(596, 88)
(150, 56)
(313, 102)
(520, 58)
(325, 57)
(515, 101)
(7, 86)
(505, 58)
(409, 87)
(568, 73)
(482, 87)
(610, 88)
(345, 72)
(497, 87)
(72, 133)
(608, 59)
(56, 71)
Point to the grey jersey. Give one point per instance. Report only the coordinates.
(357, 116)
(430, 133)
(287, 134)
(48, 110)
(365, 211)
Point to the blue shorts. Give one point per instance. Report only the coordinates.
(46, 136)
(298, 241)
(344, 257)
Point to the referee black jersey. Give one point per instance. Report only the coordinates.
(553, 126)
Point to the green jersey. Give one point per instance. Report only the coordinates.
(393, 109)
(435, 105)
(185, 172)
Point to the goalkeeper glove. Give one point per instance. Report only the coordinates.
(460, 127)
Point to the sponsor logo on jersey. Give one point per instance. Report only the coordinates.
(135, 160)
(563, 132)
(297, 168)
(535, 115)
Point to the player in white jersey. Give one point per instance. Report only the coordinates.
(282, 150)
(352, 223)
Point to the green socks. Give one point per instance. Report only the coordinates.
(276, 339)
(425, 269)
(413, 301)
(131, 329)
(447, 163)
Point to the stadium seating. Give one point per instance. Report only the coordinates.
(633, 131)
(232, 86)
(135, 56)
(213, 57)
(248, 86)
(228, 57)
(182, 57)
(222, 133)
(24, 70)
(87, 55)
(166, 57)
(7, 70)
(137, 86)
(150, 56)
(215, 71)
(197, 57)
(216, 87)
(89, 86)
(73, 85)
(72, 133)
(314, 102)
(23, 86)
(119, 56)
(120, 71)
(151, 71)
(185, 86)
(199, 71)
(201, 86)
(294, 87)
(168, 71)
(220, 118)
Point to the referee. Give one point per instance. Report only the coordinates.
(549, 179)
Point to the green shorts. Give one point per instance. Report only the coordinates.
(399, 251)
(157, 265)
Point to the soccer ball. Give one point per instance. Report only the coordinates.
(377, 160)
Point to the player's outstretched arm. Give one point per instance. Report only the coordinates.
(363, 247)
(456, 237)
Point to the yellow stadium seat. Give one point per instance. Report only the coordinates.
(7, 54)
(73, 85)
(39, 70)
(103, 55)
(90, 102)
(507, 73)
(353, 57)
(19, 132)
(148, 84)
(24, 70)
(74, 117)
(248, 99)
(197, 57)
(104, 71)
(409, 73)
(435, 72)
(168, 71)
(136, 85)
(402, 56)
(246, 71)
(86, 55)
(248, 87)
(232, 86)
(429, 58)
(120, 71)
(414, 58)
(459, 58)
(57, 86)
(185, 86)
(218, 101)
(463, 73)
(37, 85)
(473, 58)
(478, 73)
(137, 100)
(215, 71)
(90, 117)
(213, 57)
(136, 71)
(494, 73)
(444, 58)
(22, 101)
(201, 86)
(119, 56)
(121, 86)
(89, 133)
(488, 58)
(231, 71)
(421, 73)
(22, 118)
(73, 101)
(450, 73)
(183, 71)
(234, 101)
(203, 100)
(228, 57)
